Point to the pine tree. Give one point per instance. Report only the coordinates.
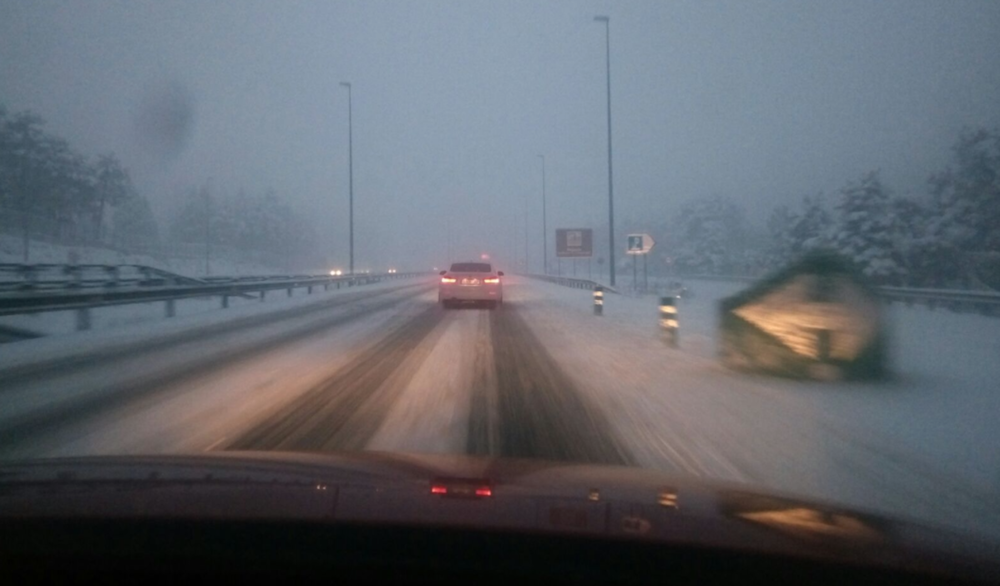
(866, 227)
(712, 235)
(967, 198)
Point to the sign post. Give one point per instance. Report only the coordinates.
(639, 244)
(574, 243)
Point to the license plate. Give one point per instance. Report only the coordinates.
(470, 282)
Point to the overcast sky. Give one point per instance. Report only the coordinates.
(453, 101)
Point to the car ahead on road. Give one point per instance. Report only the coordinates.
(471, 282)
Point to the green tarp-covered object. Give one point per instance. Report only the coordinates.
(818, 318)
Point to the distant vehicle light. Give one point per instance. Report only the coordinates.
(484, 256)
(438, 489)
(484, 491)
(448, 279)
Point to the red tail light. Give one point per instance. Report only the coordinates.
(448, 279)
(492, 281)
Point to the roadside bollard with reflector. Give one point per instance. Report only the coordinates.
(598, 300)
(668, 319)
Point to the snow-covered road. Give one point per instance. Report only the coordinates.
(388, 369)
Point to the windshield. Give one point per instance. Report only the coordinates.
(754, 243)
(470, 267)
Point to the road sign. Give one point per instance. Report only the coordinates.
(574, 242)
(640, 244)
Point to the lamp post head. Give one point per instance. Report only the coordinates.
(602, 19)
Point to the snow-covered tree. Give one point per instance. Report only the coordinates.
(112, 186)
(779, 232)
(711, 234)
(866, 227)
(812, 228)
(929, 260)
(967, 197)
(261, 227)
(135, 227)
(190, 223)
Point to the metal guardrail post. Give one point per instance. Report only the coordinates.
(598, 300)
(225, 301)
(668, 320)
(170, 307)
(30, 276)
(113, 275)
(75, 274)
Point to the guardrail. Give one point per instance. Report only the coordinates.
(82, 300)
(983, 302)
(572, 282)
(33, 277)
(961, 301)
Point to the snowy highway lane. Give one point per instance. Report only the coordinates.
(387, 369)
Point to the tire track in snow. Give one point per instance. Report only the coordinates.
(345, 411)
(483, 430)
(527, 407)
(48, 421)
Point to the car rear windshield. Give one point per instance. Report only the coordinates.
(471, 267)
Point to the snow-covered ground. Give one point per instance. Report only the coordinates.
(147, 323)
(924, 446)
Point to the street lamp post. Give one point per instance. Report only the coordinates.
(611, 183)
(545, 230)
(527, 265)
(350, 171)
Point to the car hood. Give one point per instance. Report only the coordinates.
(477, 492)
